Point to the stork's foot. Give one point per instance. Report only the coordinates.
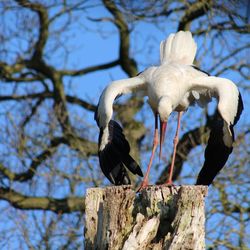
(169, 183)
(143, 185)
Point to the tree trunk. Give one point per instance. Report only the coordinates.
(159, 217)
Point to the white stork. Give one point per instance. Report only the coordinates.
(173, 86)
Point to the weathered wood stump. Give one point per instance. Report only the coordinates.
(159, 217)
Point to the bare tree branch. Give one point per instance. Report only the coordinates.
(44, 26)
(59, 206)
(194, 11)
(227, 57)
(27, 175)
(47, 94)
(127, 63)
(90, 69)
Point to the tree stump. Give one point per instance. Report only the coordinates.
(159, 217)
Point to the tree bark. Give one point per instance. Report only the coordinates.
(159, 217)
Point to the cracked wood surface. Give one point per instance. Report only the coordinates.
(159, 217)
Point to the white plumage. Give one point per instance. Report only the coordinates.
(173, 86)
(173, 49)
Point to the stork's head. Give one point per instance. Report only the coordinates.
(165, 108)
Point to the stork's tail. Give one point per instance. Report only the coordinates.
(180, 48)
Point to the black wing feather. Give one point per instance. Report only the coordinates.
(118, 174)
(239, 109)
(132, 165)
(217, 153)
(115, 156)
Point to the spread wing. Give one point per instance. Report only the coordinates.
(230, 107)
(113, 147)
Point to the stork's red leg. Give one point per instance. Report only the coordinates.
(144, 183)
(176, 140)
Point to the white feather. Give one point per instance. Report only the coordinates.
(116, 88)
(179, 48)
(104, 139)
(224, 90)
(165, 48)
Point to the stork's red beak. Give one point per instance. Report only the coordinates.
(163, 127)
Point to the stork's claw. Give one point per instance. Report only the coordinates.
(142, 186)
(171, 186)
(168, 183)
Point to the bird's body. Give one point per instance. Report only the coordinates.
(172, 86)
(178, 82)
(172, 81)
